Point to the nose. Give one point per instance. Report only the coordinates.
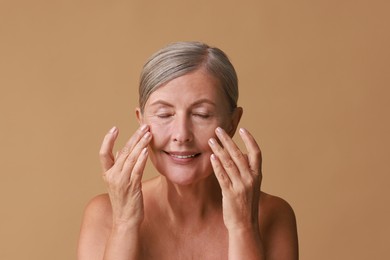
(182, 129)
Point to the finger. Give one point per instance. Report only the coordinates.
(219, 171)
(138, 170)
(126, 150)
(226, 162)
(105, 153)
(254, 152)
(133, 157)
(137, 136)
(232, 149)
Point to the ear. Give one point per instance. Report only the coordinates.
(139, 115)
(235, 120)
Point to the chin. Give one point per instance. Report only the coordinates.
(184, 177)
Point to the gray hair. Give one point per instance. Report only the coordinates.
(180, 58)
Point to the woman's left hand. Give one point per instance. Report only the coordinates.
(239, 176)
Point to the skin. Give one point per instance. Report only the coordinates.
(207, 201)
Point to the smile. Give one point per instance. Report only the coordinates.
(183, 156)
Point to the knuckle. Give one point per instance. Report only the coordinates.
(134, 185)
(218, 149)
(131, 160)
(103, 153)
(139, 134)
(237, 153)
(257, 153)
(125, 150)
(250, 182)
(228, 164)
(256, 173)
(240, 189)
(222, 176)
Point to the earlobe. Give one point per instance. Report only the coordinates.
(139, 115)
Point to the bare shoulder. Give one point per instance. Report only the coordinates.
(274, 208)
(278, 227)
(99, 208)
(95, 228)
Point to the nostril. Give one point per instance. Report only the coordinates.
(182, 129)
(182, 140)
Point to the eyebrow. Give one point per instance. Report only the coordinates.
(196, 103)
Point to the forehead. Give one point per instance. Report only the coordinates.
(190, 88)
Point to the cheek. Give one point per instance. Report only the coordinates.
(159, 133)
(203, 134)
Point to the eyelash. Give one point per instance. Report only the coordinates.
(203, 116)
(165, 116)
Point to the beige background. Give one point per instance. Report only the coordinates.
(314, 79)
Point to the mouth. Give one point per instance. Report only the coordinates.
(182, 155)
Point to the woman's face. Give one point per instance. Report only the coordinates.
(183, 115)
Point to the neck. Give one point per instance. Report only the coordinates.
(190, 203)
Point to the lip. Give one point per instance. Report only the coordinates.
(182, 157)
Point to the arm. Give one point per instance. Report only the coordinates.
(246, 244)
(111, 224)
(279, 228)
(239, 176)
(278, 231)
(123, 243)
(99, 239)
(95, 228)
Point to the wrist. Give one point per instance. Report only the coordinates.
(245, 242)
(125, 228)
(243, 227)
(244, 231)
(123, 242)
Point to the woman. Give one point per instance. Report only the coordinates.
(206, 203)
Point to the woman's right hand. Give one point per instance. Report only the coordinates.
(123, 176)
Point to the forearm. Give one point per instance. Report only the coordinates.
(245, 244)
(123, 244)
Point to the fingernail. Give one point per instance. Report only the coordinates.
(144, 127)
(213, 157)
(219, 130)
(242, 130)
(112, 130)
(211, 141)
(145, 151)
(147, 135)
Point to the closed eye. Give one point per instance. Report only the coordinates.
(203, 116)
(164, 115)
